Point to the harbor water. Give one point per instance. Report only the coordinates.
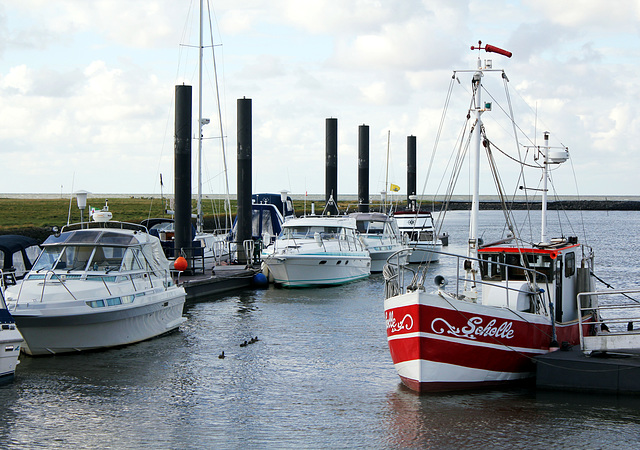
(319, 375)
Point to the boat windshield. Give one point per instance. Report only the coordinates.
(372, 227)
(93, 258)
(307, 232)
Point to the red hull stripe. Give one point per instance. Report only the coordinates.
(495, 346)
(462, 354)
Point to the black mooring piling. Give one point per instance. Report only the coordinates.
(182, 171)
(331, 167)
(411, 169)
(363, 168)
(244, 177)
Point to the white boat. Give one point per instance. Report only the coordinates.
(419, 233)
(96, 285)
(381, 237)
(317, 251)
(10, 339)
(507, 302)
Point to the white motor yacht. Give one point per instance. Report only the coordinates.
(96, 285)
(418, 231)
(381, 237)
(317, 251)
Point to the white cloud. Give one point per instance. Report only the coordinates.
(91, 84)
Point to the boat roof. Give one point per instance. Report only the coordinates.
(119, 234)
(372, 216)
(321, 221)
(12, 243)
(551, 250)
(412, 213)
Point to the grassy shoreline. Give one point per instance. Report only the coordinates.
(36, 216)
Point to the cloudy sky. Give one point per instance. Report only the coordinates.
(87, 87)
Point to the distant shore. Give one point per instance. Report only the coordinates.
(457, 202)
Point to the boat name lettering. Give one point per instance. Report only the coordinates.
(473, 328)
(405, 324)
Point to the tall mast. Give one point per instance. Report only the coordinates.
(475, 162)
(545, 174)
(472, 251)
(386, 176)
(200, 124)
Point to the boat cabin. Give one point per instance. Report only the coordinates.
(88, 253)
(507, 272)
(376, 224)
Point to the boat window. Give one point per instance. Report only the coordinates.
(106, 258)
(490, 267)
(295, 232)
(569, 264)
(514, 273)
(261, 221)
(328, 232)
(424, 236)
(130, 261)
(74, 258)
(84, 236)
(376, 227)
(47, 258)
(541, 263)
(111, 238)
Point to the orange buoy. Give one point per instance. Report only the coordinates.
(180, 264)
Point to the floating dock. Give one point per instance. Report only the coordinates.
(603, 372)
(223, 279)
(606, 362)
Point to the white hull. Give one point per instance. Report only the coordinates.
(321, 269)
(380, 255)
(424, 252)
(10, 344)
(55, 332)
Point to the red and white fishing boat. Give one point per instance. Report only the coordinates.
(508, 301)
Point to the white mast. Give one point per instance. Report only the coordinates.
(475, 161)
(545, 174)
(472, 268)
(386, 176)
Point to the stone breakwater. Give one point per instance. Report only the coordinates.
(565, 205)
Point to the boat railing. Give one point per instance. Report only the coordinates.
(110, 224)
(402, 278)
(615, 320)
(50, 277)
(345, 242)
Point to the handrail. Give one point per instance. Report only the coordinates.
(419, 275)
(105, 225)
(44, 284)
(595, 309)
